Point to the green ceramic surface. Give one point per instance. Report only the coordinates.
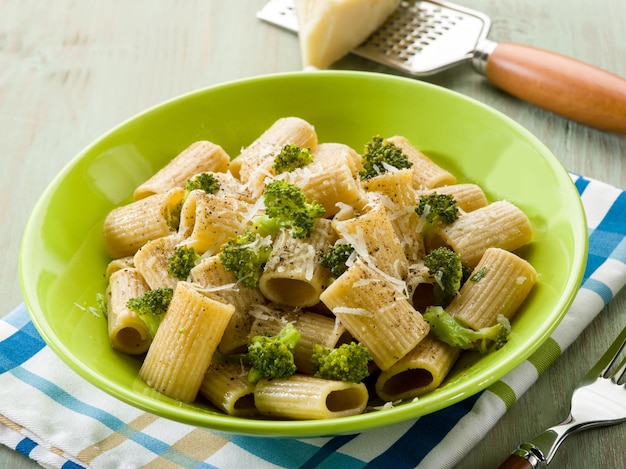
(63, 257)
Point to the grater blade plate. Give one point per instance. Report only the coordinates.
(420, 37)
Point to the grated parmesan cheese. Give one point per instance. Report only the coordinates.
(256, 209)
(355, 311)
(309, 268)
(227, 286)
(260, 312)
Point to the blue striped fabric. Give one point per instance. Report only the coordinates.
(93, 429)
(19, 347)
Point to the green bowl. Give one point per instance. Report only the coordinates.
(63, 257)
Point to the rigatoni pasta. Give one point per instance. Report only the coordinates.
(129, 227)
(499, 225)
(254, 163)
(212, 276)
(293, 275)
(128, 333)
(374, 298)
(151, 260)
(330, 178)
(498, 286)
(306, 397)
(199, 157)
(372, 309)
(226, 386)
(374, 238)
(207, 221)
(426, 173)
(185, 342)
(468, 196)
(395, 189)
(420, 371)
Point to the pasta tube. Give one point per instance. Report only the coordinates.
(499, 224)
(130, 226)
(498, 286)
(227, 387)
(374, 239)
(119, 264)
(426, 173)
(330, 178)
(184, 344)
(152, 262)
(306, 397)
(468, 197)
(255, 162)
(422, 370)
(211, 275)
(395, 189)
(207, 221)
(292, 275)
(371, 308)
(199, 157)
(127, 331)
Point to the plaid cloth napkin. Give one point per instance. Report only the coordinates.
(53, 416)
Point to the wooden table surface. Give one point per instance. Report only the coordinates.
(70, 70)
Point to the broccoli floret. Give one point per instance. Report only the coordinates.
(381, 154)
(203, 181)
(272, 356)
(246, 255)
(446, 268)
(335, 258)
(286, 206)
(291, 157)
(449, 330)
(151, 307)
(180, 263)
(437, 209)
(348, 362)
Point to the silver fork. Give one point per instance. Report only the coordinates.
(598, 400)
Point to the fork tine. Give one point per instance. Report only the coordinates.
(619, 373)
(610, 356)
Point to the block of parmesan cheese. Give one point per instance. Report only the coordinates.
(329, 29)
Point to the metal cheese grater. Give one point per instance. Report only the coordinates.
(423, 37)
(420, 37)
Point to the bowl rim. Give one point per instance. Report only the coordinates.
(305, 428)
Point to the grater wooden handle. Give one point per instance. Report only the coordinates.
(559, 84)
(516, 462)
